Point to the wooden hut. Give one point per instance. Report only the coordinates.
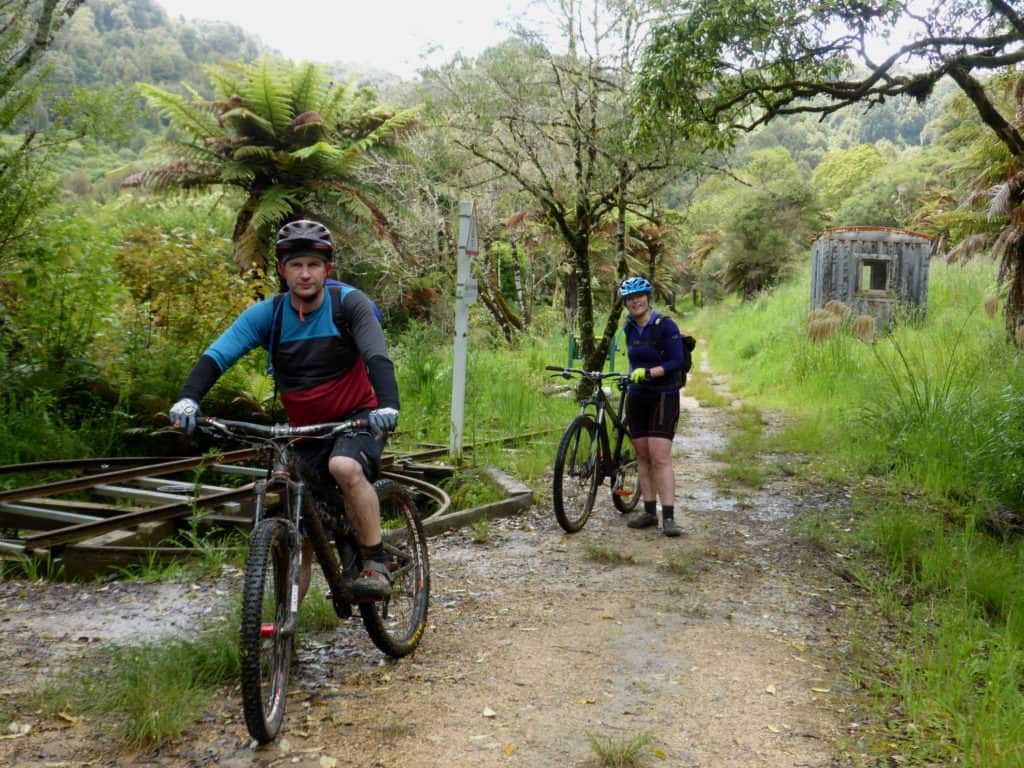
(874, 270)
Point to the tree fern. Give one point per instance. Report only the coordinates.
(248, 138)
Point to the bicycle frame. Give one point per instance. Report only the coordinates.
(603, 414)
(600, 405)
(284, 478)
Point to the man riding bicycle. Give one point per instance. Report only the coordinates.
(330, 364)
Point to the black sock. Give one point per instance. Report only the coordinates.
(668, 512)
(650, 507)
(375, 552)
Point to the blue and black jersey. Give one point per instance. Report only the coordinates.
(324, 372)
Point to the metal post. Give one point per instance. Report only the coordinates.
(465, 294)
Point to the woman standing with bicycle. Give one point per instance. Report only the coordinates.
(657, 373)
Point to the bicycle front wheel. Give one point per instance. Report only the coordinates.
(626, 488)
(396, 623)
(577, 473)
(266, 651)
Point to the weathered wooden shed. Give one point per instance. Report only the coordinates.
(873, 270)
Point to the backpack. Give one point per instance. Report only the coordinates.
(689, 343)
(339, 291)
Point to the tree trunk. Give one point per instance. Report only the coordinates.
(517, 271)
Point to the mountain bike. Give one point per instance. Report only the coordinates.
(588, 453)
(270, 591)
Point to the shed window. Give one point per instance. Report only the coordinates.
(874, 275)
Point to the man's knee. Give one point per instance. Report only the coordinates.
(345, 471)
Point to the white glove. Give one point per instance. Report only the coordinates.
(384, 419)
(183, 414)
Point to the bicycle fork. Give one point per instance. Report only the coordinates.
(287, 629)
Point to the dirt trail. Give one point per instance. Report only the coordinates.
(722, 646)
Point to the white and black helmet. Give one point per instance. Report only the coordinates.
(304, 236)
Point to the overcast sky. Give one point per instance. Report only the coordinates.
(393, 35)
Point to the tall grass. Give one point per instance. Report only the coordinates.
(506, 394)
(150, 692)
(933, 413)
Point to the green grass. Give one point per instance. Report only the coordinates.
(31, 568)
(150, 692)
(684, 564)
(626, 752)
(741, 457)
(317, 613)
(151, 568)
(481, 532)
(599, 553)
(155, 691)
(699, 386)
(925, 430)
(506, 395)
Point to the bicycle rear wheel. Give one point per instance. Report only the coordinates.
(396, 624)
(266, 652)
(626, 488)
(577, 473)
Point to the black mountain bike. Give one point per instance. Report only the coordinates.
(586, 454)
(270, 597)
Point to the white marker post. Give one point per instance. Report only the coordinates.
(465, 294)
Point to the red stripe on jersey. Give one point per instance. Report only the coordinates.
(332, 400)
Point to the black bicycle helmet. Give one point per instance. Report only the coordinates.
(304, 236)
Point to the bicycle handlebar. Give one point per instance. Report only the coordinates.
(593, 375)
(247, 428)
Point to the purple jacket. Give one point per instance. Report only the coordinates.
(659, 342)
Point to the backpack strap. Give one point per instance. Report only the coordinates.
(275, 334)
(337, 291)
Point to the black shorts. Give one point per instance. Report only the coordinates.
(654, 417)
(364, 446)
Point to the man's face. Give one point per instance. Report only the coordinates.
(305, 276)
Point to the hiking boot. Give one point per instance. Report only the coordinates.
(669, 528)
(374, 583)
(644, 520)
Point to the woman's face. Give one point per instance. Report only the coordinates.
(638, 303)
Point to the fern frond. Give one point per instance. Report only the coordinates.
(181, 114)
(307, 88)
(968, 247)
(267, 95)
(227, 78)
(237, 173)
(255, 152)
(1005, 245)
(180, 175)
(321, 148)
(334, 102)
(244, 122)
(1000, 203)
(275, 207)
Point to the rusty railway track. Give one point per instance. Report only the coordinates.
(116, 511)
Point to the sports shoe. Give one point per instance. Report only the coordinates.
(669, 528)
(374, 583)
(643, 520)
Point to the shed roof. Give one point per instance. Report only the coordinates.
(872, 233)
